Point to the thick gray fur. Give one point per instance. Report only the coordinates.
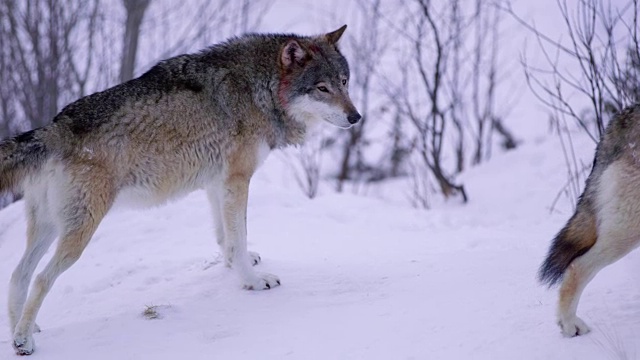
(199, 121)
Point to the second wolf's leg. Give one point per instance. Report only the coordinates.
(575, 280)
(234, 217)
(610, 246)
(40, 235)
(216, 198)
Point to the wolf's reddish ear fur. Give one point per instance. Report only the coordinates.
(334, 36)
(292, 54)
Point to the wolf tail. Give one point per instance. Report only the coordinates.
(20, 156)
(573, 241)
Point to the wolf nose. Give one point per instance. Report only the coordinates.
(354, 118)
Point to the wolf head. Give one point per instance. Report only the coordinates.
(314, 83)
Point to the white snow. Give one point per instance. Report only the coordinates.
(362, 278)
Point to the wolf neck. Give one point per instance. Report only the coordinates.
(286, 130)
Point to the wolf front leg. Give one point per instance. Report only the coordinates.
(215, 193)
(234, 219)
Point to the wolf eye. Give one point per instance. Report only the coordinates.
(323, 89)
(344, 82)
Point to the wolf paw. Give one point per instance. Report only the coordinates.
(23, 345)
(36, 328)
(254, 258)
(261, 281)
(573, 327)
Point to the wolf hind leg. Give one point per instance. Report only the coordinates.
(216, 199)
(575, 280)
(70, 247)
(40, 235)
(610, 247)
(82, 214)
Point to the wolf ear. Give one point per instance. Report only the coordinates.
(292, 54)
(334, 36)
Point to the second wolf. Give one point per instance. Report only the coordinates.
(606, 223)
(204, 120)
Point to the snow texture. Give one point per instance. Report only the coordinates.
(363, 278)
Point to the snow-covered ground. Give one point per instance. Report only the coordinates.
(362, 278)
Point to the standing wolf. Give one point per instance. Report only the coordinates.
(204, 120)
(606, 224)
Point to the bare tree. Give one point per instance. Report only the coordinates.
(456, 88)
(449, 81)
(8, 106)
(209, 22)
(400, 148)
(367, 48)
(135, 13)
(483, 112)
(597, 31)
(46, 57)
(250, 14)
(306, 163)
(589, 77)
(629, 82)
(42, 54)
(431, 36)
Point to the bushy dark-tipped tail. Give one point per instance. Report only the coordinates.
(573, 241)
(18, 156)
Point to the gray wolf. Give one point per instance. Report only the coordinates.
(606, 224)
(199, 121)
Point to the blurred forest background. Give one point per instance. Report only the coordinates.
(431, 78)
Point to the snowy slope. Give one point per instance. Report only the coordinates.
(362, 278)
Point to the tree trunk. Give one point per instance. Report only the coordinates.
(135, 13)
